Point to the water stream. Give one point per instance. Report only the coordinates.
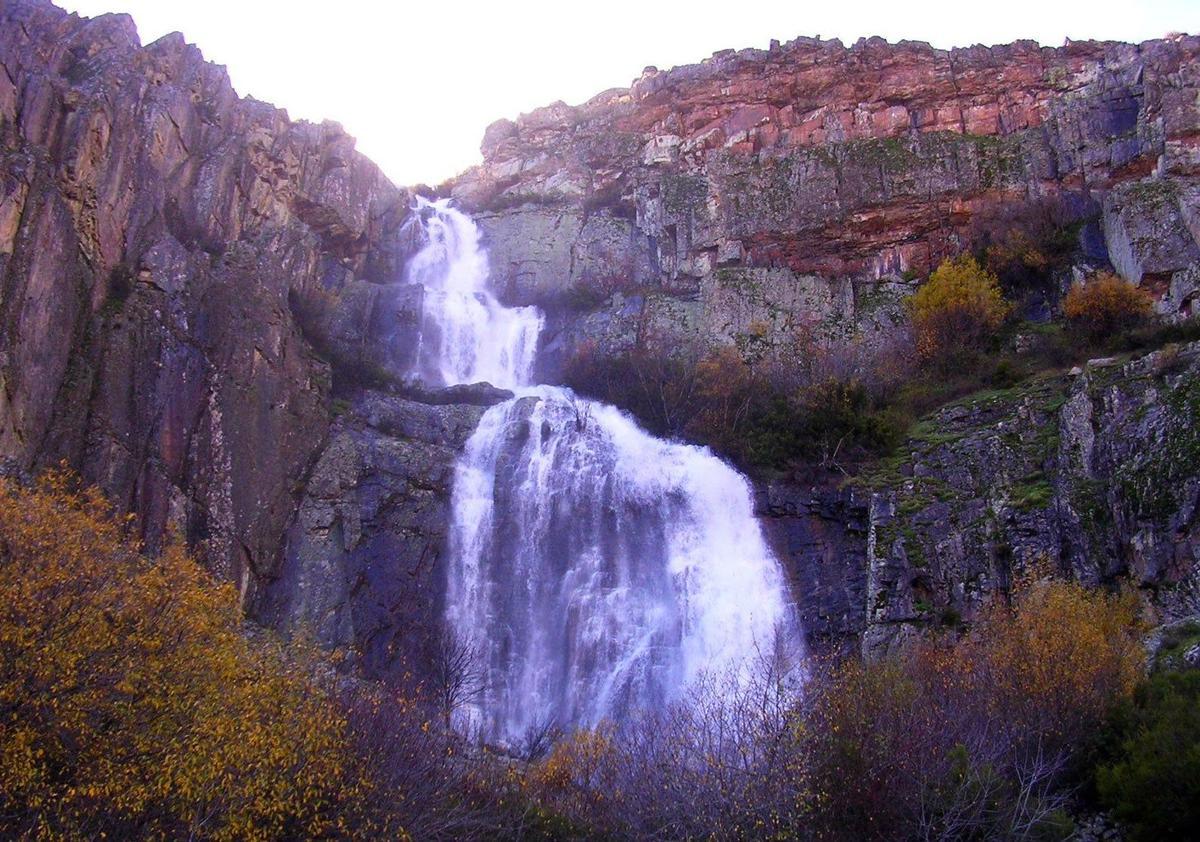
(594, 569)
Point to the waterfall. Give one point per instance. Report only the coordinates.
(467, 336)
(594, 570)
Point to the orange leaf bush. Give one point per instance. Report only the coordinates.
(131, 702)
(1106, 304)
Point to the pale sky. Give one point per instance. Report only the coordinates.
(417, 82)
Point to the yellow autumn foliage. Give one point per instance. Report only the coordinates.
(984, 725)
(958, 308)
(578, 776)
(133, 704)
(574, 761)
(1105, 304)
(1059, 658)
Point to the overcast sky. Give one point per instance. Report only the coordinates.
(417, 82)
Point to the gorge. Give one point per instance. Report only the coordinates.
(214, 312)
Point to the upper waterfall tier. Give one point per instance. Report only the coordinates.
(467, 336)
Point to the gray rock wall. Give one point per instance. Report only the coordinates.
(154, 229)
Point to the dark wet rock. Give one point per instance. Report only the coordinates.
(472, 394)
(363, 563)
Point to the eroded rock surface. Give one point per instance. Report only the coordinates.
(806, 185)
(1093, 475)
(362, 567)
(154, 228)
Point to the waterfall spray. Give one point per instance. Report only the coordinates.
(467, 336)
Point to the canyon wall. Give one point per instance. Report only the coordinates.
(803, 189)
(773, 199)
(153, 227)
(202, 307)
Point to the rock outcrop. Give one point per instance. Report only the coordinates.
(362, 563)
(1094, 475)
(153, 229)
(804, 187)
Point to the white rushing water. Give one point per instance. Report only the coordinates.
(467, 336)
(594, 570)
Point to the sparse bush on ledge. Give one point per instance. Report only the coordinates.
(1105, 305)
(836, 411)
(956, 311)
(1025, 242)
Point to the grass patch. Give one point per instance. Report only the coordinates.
(1034, 492)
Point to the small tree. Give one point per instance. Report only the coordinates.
(957, 310)
(1154, 784)
(1106, 304)
(458, 675)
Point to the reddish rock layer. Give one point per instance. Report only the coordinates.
(865, 163)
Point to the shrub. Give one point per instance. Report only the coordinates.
(1105, 305)
(574, 761)
(975, 737)
(830, 423)
(658, 388)
(716, 764)
(760, 416)
(1023, 243)
(959, 308)
(132, 705)
(1153, 786)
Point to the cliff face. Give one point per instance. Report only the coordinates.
(202, 307)
(761, 192)
(152, 228)
(1094, 475)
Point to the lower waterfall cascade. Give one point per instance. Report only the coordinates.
(593, 569)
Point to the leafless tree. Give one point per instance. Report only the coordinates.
(538, 739)
(457, 675)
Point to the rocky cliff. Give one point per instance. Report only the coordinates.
(202, 307)
(153, 227)
(1093, 475)
(807, 186)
